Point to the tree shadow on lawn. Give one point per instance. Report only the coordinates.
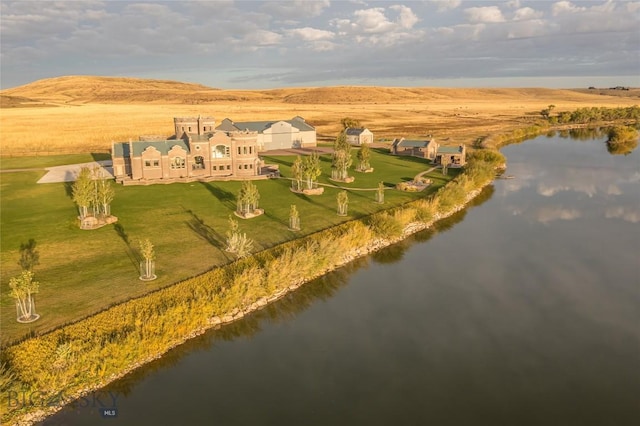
(226, 198)
(132, 253)
(68, 189)
(310, 200)
(204, 231)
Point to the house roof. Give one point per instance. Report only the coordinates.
(163, 146)
(354, 131)
(449, 150)
(200, 138)
(228, 125)
(412, 143)
(121, 149)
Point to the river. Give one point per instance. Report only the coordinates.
(524, 309)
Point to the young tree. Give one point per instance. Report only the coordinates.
(364, 156)
(83, 191)
(147, 266)
(294, 218)
(444, 161)
(237, 243)
(546, 113)
(297, 170)
(348, 122)
(29, 256)
(380, 193)
(23, 287)
(341, 159)
(248, 198)
(105, 195)
(343, 203)
(311, 169)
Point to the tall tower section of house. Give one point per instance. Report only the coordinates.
(193, 125)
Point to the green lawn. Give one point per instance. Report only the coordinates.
(49, 161)
(82, 272)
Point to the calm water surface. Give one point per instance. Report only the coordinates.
(522, 310)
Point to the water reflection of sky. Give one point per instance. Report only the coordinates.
(577, 181)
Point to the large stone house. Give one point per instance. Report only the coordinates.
(359, 136)
(431, 150)
(195, 152)
(280, 134)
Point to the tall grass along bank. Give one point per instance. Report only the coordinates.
(73, 360)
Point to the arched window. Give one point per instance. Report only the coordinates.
(220, 151)
(198, 163)
(177, 163)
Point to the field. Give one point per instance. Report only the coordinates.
(85, 271)
(86, 113)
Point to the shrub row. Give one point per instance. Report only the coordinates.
(90, 353)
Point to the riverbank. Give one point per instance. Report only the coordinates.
(119, 340)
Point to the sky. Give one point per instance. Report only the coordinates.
(271, 44)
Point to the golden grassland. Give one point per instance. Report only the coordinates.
(85, 114)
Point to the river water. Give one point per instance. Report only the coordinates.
(524, 309)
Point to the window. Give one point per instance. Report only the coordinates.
(239, 166)
(251, 166)
(215, 168)
(220, 151)
(177, 163)
(244, 150)
(189, 128)
(156, 163)
(245, 167)
(198, 163)
(228, 167)
(147, 163)
(250, 149)
(239, 150)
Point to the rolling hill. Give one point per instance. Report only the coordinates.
(78, 90)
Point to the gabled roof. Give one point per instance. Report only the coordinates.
(121, 150)
(353, 131)
(449, 150)
(411, 143)
(164, 147)
(228, 125)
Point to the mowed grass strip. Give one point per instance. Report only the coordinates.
(83, 272)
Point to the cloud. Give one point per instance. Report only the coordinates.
(526, 14)
(318, 41)
(487, 14)
(311, 34)
(372, 20)
(624, 213)
(550, 214)
(444, 5)
(296, 9)
(407, 19)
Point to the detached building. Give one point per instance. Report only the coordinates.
(282, 134)
(359, 136)
(431, 150)
(195, 152)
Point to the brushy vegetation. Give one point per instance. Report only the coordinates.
(622, 140)
(97, 349)
(581, 116)
(596, 114)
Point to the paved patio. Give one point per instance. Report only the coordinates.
(69, 172)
